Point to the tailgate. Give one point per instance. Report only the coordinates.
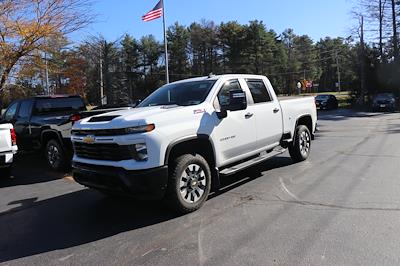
(5, 137)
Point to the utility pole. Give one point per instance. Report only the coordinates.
(362, 62)
(47, 74)
(102, 100)
(338, 71)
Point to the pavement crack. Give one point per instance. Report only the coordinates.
(335, 206)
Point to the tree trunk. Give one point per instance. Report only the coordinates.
(381, 16)
(395, 37)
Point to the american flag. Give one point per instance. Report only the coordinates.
(155, 13)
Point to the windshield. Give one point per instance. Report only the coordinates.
(384, 96)
(182, 94)
(322, 97)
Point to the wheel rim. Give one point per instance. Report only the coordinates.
(192, 183)
(53, 155)
(305, 143)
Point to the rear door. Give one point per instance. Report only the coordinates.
(267, 113)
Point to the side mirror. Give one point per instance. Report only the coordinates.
(237, 101)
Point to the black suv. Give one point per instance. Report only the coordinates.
(44, 123)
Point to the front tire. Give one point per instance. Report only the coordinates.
(300, 148)
(189, 183)
(55, 155)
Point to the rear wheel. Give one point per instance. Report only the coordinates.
(55, 155)
(189, 183)
(299, 150)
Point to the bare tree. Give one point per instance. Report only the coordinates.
(376, 15)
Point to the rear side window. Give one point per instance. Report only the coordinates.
(10, 114)
(25, 109)
(59, 105)
(258, 91)
(223, 95)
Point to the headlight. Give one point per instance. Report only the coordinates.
(140, 129)
(139, 152)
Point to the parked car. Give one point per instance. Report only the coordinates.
(181, 138)
(326, 101)
(384, 102)
(45, 123)
(8, 148)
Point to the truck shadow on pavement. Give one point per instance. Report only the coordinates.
(86, 216)
(30, 168)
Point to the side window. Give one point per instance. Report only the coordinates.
(25, 109)
(223, 95)
(258, 91)
(10, 114)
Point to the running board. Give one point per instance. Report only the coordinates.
(262, 157)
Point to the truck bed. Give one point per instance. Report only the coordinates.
(5, 137)
(295, 107)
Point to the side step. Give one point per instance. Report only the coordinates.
(262, 157)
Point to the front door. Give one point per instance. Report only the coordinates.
(234, 136)
(22, 125)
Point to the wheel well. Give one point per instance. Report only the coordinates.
(305, 121)
(201, 146)
(48, 135)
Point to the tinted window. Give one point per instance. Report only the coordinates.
(223, 95)
(258, 91)
(25, 109)
(184, 94)
(59, 105)
(10, 114)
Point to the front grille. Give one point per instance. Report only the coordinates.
(101, 132)
(106, 152)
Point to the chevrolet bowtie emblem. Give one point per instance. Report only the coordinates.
(89, 139)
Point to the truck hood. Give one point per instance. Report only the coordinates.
(136, 117)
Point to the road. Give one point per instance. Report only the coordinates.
(341, 207)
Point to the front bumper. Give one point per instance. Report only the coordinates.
(144, 184)
(383, 106)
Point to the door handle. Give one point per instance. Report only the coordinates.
(276, 110)
(248, 115)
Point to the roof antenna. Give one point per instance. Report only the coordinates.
(211, 75)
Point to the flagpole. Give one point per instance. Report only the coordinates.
(165, 45)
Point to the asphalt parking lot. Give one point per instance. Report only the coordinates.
(341, 207)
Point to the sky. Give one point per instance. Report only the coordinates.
(316, 18)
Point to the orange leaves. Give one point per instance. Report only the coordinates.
(26, 24)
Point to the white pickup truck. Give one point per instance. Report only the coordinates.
(187, 134)
(8, 148)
